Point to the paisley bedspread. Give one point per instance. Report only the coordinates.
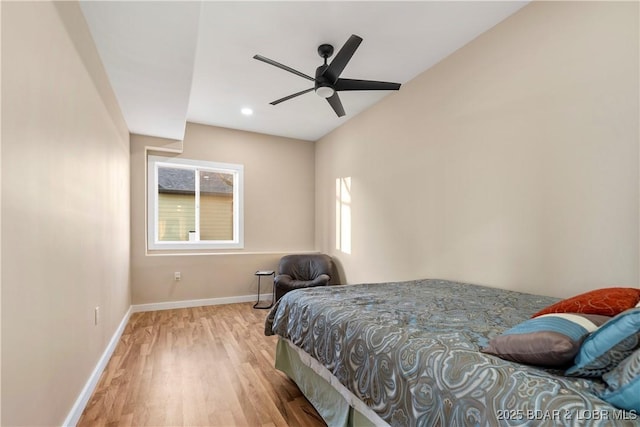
(410, 352)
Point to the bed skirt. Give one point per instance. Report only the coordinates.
(333, 401)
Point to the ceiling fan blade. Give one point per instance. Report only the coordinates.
(284, 67)
(350, 84)
(336, 104)
(342, 58)
(286, 98)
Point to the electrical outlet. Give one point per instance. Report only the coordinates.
(96, 316)
(177, 276)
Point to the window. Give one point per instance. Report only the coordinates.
(194, 204)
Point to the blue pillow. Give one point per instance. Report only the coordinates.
(604, 349)
(623, 384)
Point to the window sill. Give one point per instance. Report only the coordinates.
(226, 253)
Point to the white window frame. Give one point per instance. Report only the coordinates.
(153, 163)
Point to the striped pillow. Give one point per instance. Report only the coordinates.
(550, 340)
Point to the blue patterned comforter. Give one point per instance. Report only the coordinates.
(410, 351)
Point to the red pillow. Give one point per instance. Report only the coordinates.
(606, 302)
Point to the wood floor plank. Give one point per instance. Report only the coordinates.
(200, 366)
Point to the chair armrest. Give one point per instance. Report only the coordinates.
(322, 279)
(282, 279)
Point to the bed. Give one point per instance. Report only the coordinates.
(407, 353)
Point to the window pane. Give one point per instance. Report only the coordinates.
(176, 204)
(216, 205)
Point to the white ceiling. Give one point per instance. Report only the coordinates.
(173, 62)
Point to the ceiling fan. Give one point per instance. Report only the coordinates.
(327, 82)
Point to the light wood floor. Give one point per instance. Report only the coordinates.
(203, 366)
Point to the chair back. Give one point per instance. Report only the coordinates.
(305, 266)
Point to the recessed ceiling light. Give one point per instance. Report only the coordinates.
(247, 111)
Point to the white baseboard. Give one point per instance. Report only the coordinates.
(82, 400)
(194, 303)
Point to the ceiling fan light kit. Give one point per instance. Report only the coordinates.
(327, 82)
(325, 91)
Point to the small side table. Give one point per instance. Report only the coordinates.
(260, 274)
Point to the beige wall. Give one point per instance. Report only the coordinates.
(512, 163)
(278, 215)
(65, 211)
(0, 229)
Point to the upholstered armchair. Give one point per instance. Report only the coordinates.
(302, 271)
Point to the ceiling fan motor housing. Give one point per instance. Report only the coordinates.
(323, 86)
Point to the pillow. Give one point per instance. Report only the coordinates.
(550, 340)
(606, 302)
(608, 346)
(623, 384)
